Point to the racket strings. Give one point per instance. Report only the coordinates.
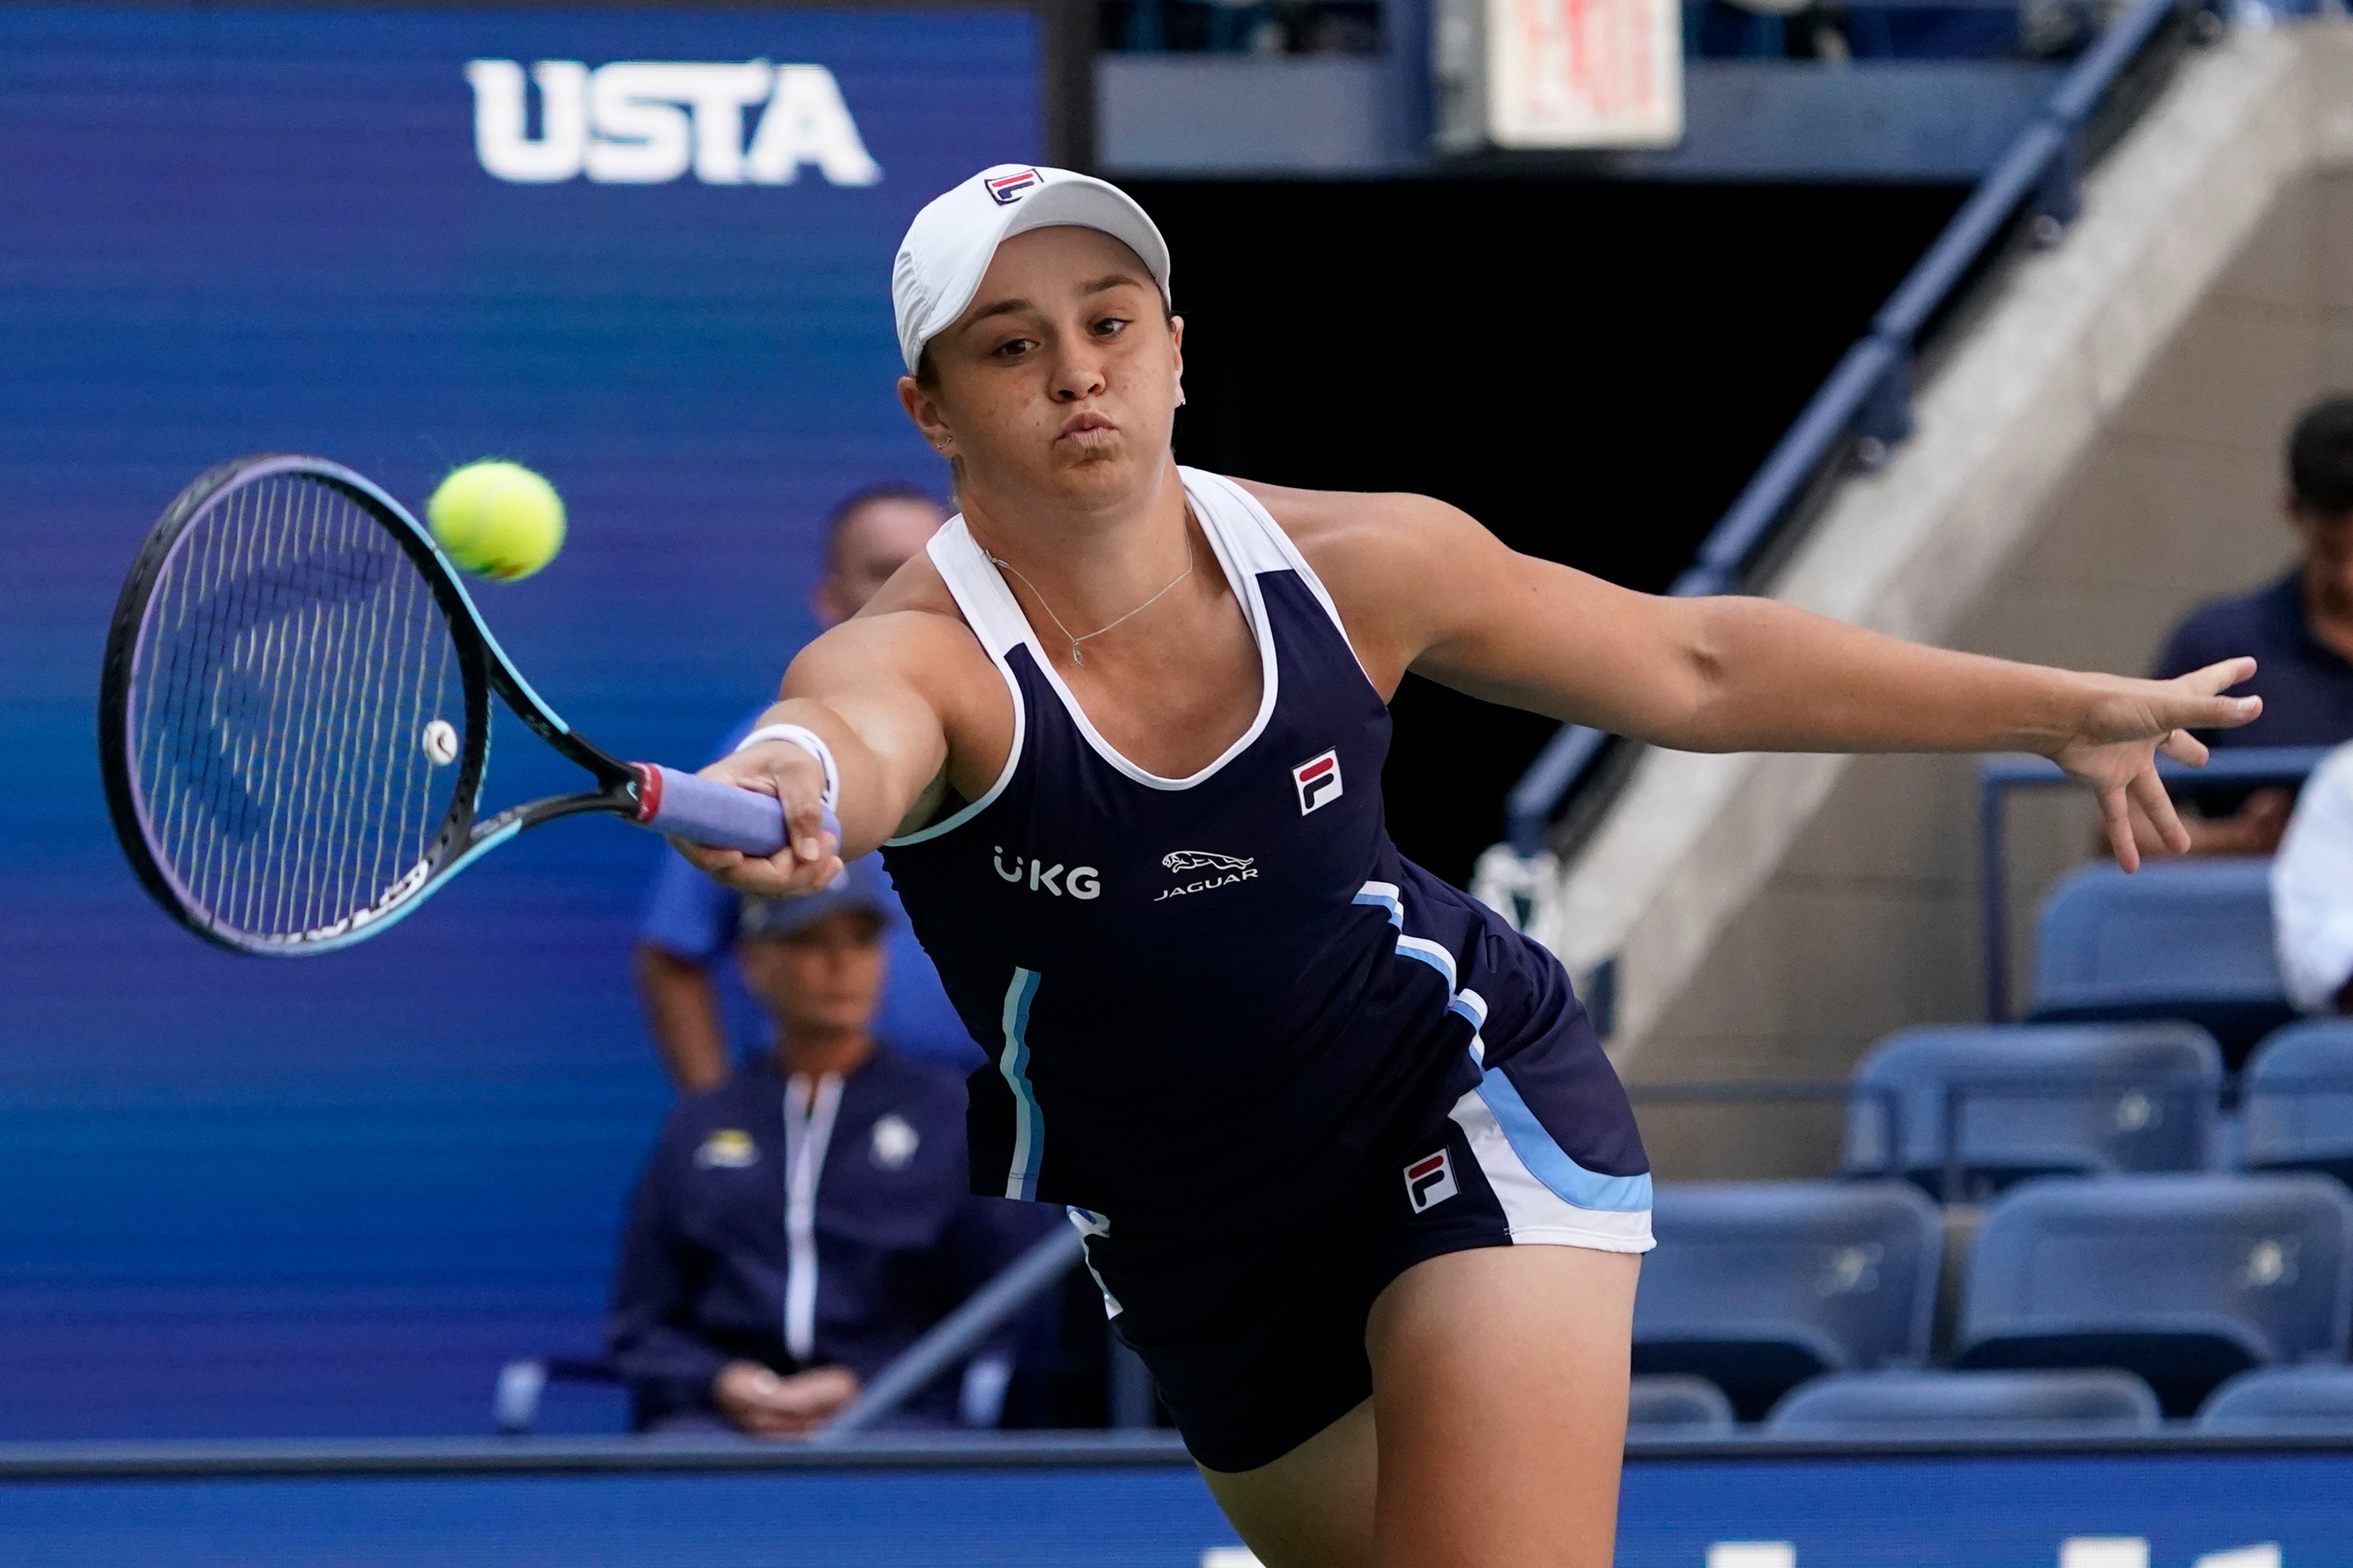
(292, 665)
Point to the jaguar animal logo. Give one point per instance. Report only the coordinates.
(1210, 869)
(1205, 861)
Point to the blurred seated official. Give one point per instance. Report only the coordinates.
(2312, 891)
(804, 1223)
(699, 1017)
(2300, 631)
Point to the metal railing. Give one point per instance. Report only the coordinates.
(2232, 767)
(955, 1336)
(948, 1343)
(1866, 406)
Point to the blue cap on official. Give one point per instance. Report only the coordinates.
(861, 886)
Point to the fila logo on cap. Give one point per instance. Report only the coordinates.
(1429, 1181)
(1007, 189)
(1318, 781)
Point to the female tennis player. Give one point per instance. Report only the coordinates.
(1355, 1177)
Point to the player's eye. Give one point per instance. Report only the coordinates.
(1012, 348)
(1111, 326)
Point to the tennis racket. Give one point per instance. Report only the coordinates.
(294, 717)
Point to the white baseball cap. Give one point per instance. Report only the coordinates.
(949, 245)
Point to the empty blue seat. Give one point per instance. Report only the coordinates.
(2183, 1279)
(1760, 1286)
(2283, 1399)
(1892, 1404)
(2184, 938)
(2299, 1100)
(1671, 1406)
(2032, 1099)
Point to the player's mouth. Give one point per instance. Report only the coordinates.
(1087, 430)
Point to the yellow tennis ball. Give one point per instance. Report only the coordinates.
(497, 519)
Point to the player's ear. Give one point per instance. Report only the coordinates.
(924, 410)
(1176, 343)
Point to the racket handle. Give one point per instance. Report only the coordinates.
(719, 816)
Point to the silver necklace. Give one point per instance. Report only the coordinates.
(1078, 658)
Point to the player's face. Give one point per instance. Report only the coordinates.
(825, 976)
(1061, 375)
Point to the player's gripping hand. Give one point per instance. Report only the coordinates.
(812, 858)
(2124, 728)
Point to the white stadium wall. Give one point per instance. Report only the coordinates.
(2098, 451)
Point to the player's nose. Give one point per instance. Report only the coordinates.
(1077, 373)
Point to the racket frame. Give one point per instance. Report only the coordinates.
(484, 668)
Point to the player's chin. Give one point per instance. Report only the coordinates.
(1090, 450)
(1094, 473)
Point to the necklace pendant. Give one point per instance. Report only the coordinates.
(1076, 656)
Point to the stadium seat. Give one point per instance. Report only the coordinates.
(1760, 1286)
(2298, 1106)
(1668, 1406)
(2184, 1279)
(2283, 1399)
(2188, 939)
(1889, 1404)
(2035, 1099)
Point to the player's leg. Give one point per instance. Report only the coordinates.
(1314, 1507)
(1501, 1376)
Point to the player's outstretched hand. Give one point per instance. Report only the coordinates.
(2128, 723)
(811, 860)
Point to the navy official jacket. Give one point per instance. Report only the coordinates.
(886, 1240)
(2306, 685)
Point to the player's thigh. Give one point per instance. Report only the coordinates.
(1500, 1376)
(1314, 1507)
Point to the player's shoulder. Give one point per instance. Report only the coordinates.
(915, 617)
(1320, 518)
(1368, 537)
(916, 586)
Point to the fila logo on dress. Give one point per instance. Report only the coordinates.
(1429, 1181)
(1317, 780)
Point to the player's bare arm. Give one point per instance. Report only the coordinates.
(1424, 587)
(911, 708)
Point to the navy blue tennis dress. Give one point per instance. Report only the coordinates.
(1267, 1063)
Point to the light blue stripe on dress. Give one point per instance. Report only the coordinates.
(1548, 1163)
(1423, 951)
(1029, 1123)
(1384, 896)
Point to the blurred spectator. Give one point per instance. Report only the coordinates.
(803, 1224)
(1241, 27)
(2299, 629)
(1765, 29)
(1825, 30)
(694, 1008)
(2312, 891)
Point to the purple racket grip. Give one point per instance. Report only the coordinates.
(719, 816)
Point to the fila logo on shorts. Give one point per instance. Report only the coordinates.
(1318, 781)
(1007, 189)
(1429, 1181)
